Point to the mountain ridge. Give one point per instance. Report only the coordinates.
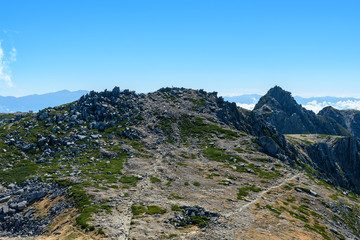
(176, 163)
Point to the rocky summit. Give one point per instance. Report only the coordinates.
(280, 109)
(179, 164)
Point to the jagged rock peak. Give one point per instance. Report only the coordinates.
(277, 98)
(278, 93)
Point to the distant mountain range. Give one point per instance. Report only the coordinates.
(36, 102)
(314, 103)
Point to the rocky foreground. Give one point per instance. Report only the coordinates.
(177, 164)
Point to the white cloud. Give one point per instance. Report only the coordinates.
(348, 105)
(317, 106)
(246, 106)
(5, 71)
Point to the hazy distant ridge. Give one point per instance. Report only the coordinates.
(36, 102)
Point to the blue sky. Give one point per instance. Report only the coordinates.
(311, 48)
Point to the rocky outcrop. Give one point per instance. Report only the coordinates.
(18, 218)
(102, 109)
(194, 216)
(348, 119)
(339, 161)
(269, 139)
(281, 110)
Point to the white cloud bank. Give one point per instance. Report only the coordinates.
(246, 106)
(5, 71)
(316, 106)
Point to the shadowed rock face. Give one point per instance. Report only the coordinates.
(348, 119)
(281, 110)
(339, 161)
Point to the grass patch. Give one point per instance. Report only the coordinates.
(319, 229)
(196, 127)
(273, 209)
(19, 173)
(334, 196)
(184, 156)
(196, 184)
(219, 155)
(174, 196)
(263, 160)
(239, 150)
(296, 215)
(132, 180)
(182, 164)
(83, 204)
(152, 209)
(291, 199)
(200, 221)
(137, 210)
(244, 191)
(175, 208)
(154, 179)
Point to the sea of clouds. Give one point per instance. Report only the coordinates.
(316, 106)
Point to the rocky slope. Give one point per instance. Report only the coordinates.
(334, 158)
(173, 164)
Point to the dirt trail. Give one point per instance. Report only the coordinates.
(124, 217)
(265, 191)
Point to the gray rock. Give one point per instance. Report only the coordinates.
(81, 137)
(5, 199)
(41, 160)
(22, 205)
(95, 136)
(249, 170)
(12, 211)
(313, 193)
(5, 209)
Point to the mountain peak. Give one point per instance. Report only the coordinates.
(277, 90)
(278, 98)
